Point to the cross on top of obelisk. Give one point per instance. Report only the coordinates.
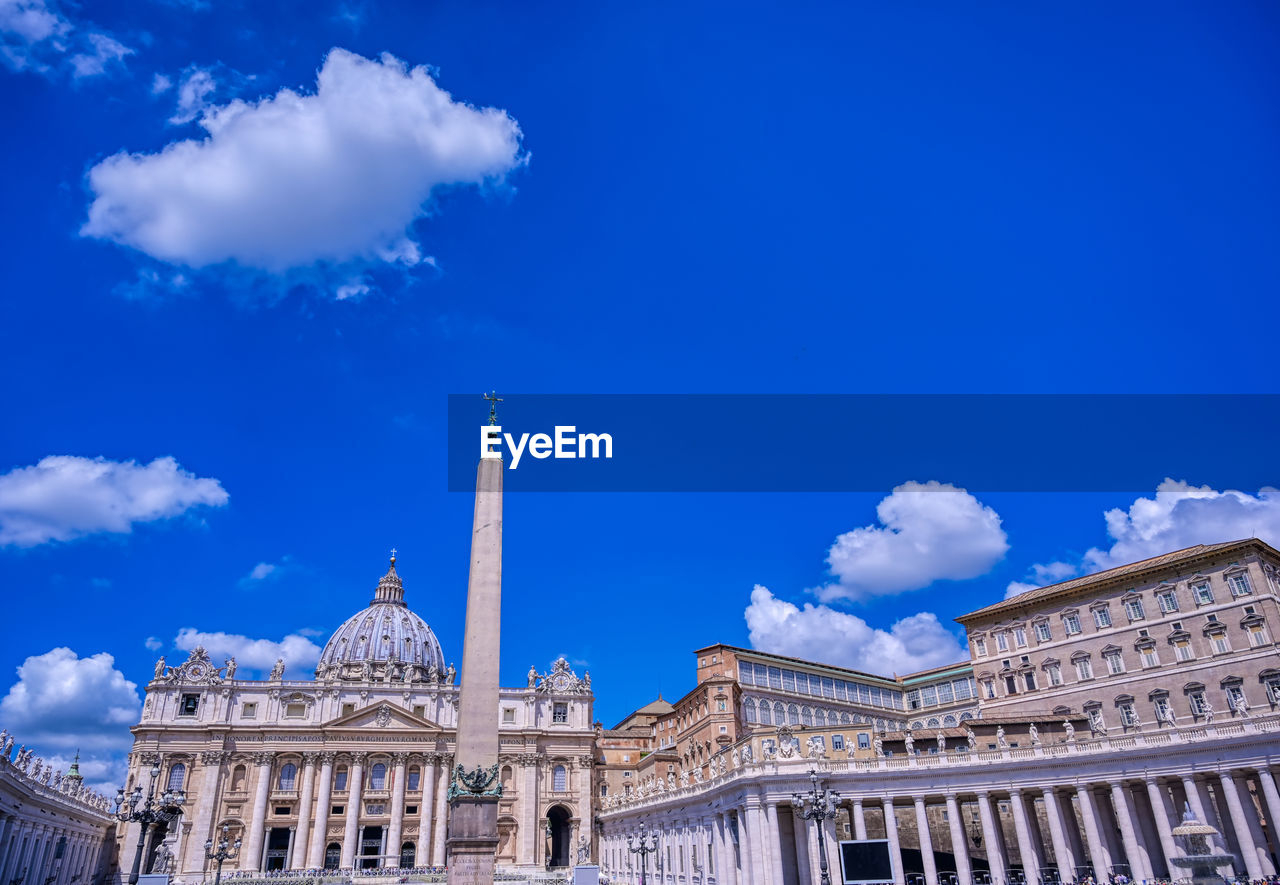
(494, 399)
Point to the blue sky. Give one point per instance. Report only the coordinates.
(277, 290)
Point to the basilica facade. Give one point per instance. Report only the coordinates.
(350, 767)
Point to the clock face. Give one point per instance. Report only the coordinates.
(560, 682)
(196, 671)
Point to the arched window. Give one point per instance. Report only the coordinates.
(288, 776)
(332, 855)
(821, 718)
(765, 718)
(806, 716)
(506, 779)
(780, 714)
(949, 722)
(934, 723)
(378, 777)
(177, 774)
(749, 710)
(237, 778)
(408, 853)
(415, 778)
(845, 718)
(793, 714)
(559, 779)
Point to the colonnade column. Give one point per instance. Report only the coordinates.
(351, 833)
(1062, 856)
(1255, 824)
(397, 811)
(324, 796)
(1027, 849)
(926, 842)
(202, 821)
(770, 835)
(1122, 803)
(895, 847)
(425, 811)
(959, 847)
(1158, 796)
(1267, 784)
(1098, 858)
(859, 820)
(1244, 837)
(251, 857)
(441, 815)
(994, 859)
(804, 869)
(301, 837)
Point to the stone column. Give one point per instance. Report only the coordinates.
(20, 832)
(324, 798)
(473, 818)
(770, 842)
(1204, 813)
(1098, 857)
(426, 810)
(1267, 784)
(202, 820)
(251, 856)
(355, 793)
(989, 835)
(959, 845)
(859, 820)
(895, 847)
(1062, 855)
(1134, 848)
(1158, 796)
(394, 832)
(1027, 849)
(926, 842)
(300, 838)
(1255, 825)
(442, 820)
(1241, 825)
(800, 826)
(529, 810)
(726, 866)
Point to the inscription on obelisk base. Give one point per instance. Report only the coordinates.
(474, 786)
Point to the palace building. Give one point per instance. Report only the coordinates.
(349, 767)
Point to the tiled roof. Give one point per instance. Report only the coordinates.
(1155, 563)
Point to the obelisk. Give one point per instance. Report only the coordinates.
(474, 786)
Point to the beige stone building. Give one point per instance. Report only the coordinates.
(1107, 644)
(349, 768)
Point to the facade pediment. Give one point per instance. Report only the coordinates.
(384, 715)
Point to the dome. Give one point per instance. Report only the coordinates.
(386, 634)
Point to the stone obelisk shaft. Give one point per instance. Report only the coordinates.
(473, 818)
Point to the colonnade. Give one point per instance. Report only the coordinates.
(33, 851)
(1029, 828)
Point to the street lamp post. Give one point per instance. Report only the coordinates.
(131, 809)
(819, 804)
(227, 850)
(644, 849)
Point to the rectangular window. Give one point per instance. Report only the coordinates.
(913, 699)
(348, 709)
(1133, 608)
(295, 711)
(1115, 664)
(336, 809)
(1102, 617)
(1029, 678)
(1182, 649)
(988, 688)
(1168, 601)
(560, 713)
(828, 688)
(1043, 633)
(249, 711)
(1162, 710)
(1084, 670)
(189, 705)
(1273, 690)
(1239, 584)
(1071, 623)
(1095, 720)
(980, 647)
(1202, 592)
(864, 741)
(1127, 715)
(420, 711)
(837, 742)
(864, 693)
(1235, 697)
(775, 677)
(788, 680)
(1054, 673)
(1149, 656)
(340, 779)
(1258, 635)
(964, 689)
(929, 695)
(1220, 643)
(802, 683)
(1002, 641)
(509, 715)
(944, 693)
(1020, 637)
(744, 673)
(1198, 704)
(840, 690)
(1010, 685)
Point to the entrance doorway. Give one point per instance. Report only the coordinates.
(370, 849)
(277, 848)
(558, 817)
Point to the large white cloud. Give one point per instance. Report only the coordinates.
(300, 653)
(65, 497)
(36, 36)
(1179, 515)
(295, 181)
(63, 702)
(929, 532)
(820, 633)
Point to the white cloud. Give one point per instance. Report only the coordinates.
(260, 571)
(36, 36)
(820, 633)
(1180, 515)
(928, 532)
(300, 653)
(153, 644)
(65, 497)
(160, 84)
(194, 89)
(296, 182)
(63, 702)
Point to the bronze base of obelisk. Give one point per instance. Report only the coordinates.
(472, 847)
